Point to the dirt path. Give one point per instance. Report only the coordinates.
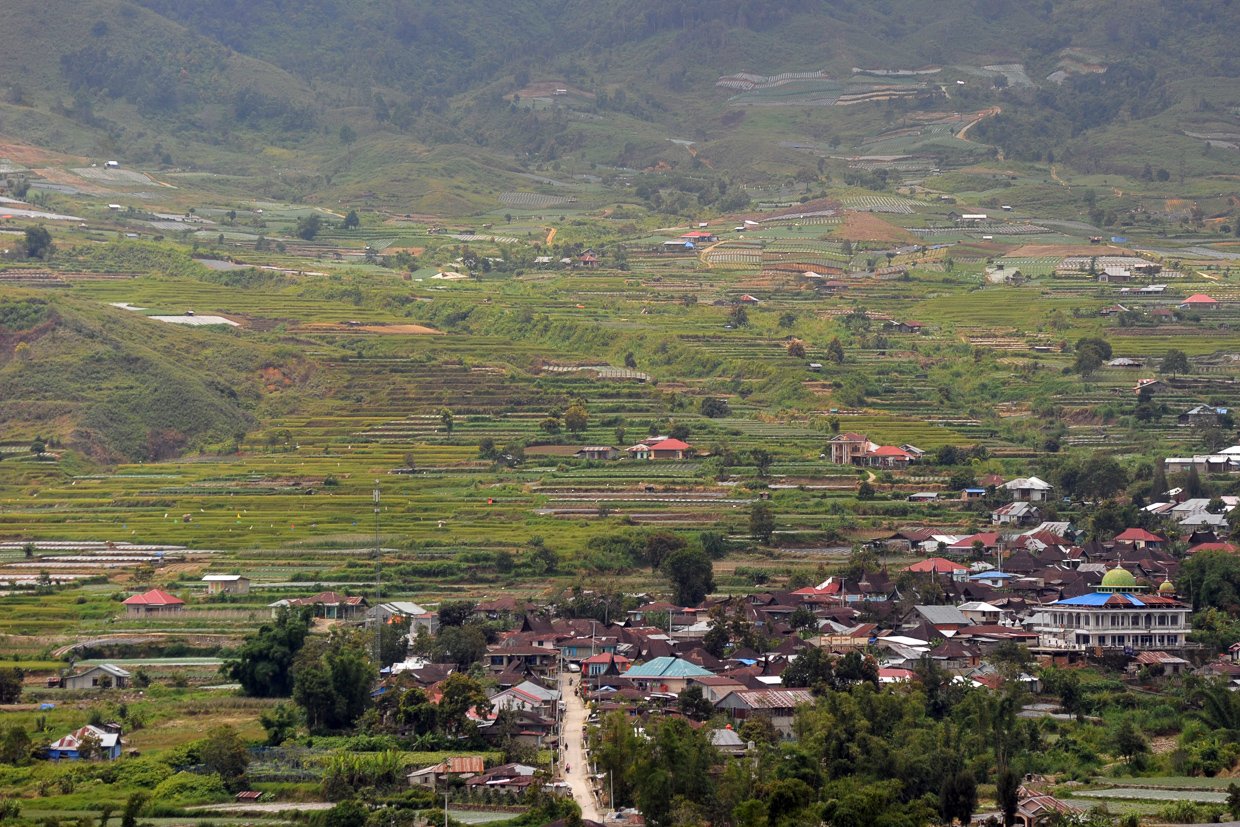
(963, 134)
(1055, 177)
(575, 757)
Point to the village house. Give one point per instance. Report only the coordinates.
(668, 448)
(153, 602)
(527, 696)
(776, 705)
(1202, 416)
(227, 584)
(597, 452)
(1017, 513)
(848, 448)
(89, 742)
(103, 676)
(1198, 301)
(402, 611)
(325, 605)
(1029, 489)
(463, 767)
(664, 674)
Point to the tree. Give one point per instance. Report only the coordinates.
(1175, 363)
(460, 694)
(1129, 743)
(263, 664)
(762, 460)
(15, 746)
(692, 575)
(738, 317)
(715, 544)
(133, 806)
(280, 722)
(38, 242)
(351, 221)
(713, 408)
(694, 704)
(576, 418)
(1233, 800)
(224, 753)
(659, 546)
(308, 226)
(347, 135)
(445, 419)
(835, 351)
(1007, 794)
(796, 349)
(762, 521)
(11, 685)
(958, 798)
(332, 684)
(462, 645)
(616, 749)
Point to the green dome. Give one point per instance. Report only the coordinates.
(1119, 579)
(1166, 587)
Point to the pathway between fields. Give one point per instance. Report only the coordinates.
(575, 756)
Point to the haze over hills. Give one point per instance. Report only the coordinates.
(360, 101)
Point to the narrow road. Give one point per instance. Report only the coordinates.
(574, 754)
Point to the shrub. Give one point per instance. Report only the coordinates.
(190, 788)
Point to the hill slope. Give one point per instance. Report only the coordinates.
(342, 87)
(116, 385)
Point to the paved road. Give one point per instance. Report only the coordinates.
(575, 749)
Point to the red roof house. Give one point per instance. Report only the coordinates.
(1140, 538)
(670, 449)
(1199, 301)
(936, 565)
(153, 602)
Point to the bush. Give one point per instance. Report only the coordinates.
(190, 788)
(1188, 812)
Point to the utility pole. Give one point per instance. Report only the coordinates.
(445, 810)
(378, 584)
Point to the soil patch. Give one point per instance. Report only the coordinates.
(1041, 250)
(382, 329)
(864, 226)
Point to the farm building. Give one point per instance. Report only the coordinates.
(85, 743)
(700, 237)
(889, 456)
(227, 584)
(156, 601)
(103, 676)
(597, 452)
(1202, 416)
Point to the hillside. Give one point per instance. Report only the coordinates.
(115, 385)
(371, 102)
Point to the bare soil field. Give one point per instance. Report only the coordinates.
(1038, 250)
(382, 329)
(864, 226)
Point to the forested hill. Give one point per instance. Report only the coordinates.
(210, 82)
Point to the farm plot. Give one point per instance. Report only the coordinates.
(532, 200)
(879, 203)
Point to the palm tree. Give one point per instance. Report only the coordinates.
(1219, 708)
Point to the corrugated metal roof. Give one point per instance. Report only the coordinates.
(666, 667)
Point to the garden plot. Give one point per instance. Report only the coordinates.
(115, 176)
(533, 200)
(879, 203)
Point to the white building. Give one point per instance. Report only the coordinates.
(1117, 616)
